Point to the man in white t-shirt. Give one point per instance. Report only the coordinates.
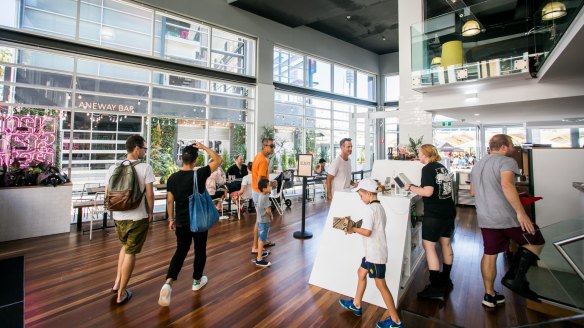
(132, 225)
(339, 173)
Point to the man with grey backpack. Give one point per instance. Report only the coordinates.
(130, 197)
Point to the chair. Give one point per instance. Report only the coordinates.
(244, 197)
(97, 210)
(219, 202)
(276, 196)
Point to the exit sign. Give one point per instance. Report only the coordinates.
(446, 123)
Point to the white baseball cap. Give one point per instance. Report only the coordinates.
(367, 184)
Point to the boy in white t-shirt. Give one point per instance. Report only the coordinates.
(373, 263)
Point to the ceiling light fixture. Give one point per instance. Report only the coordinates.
(348, 17)
(383, 38)
(477, 114)
(471, 28)
(553, 10)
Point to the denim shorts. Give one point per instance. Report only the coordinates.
(263, 229)
(374, 270)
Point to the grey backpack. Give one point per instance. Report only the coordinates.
(123, 190)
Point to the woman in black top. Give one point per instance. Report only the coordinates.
(438, 223)
(179, 188)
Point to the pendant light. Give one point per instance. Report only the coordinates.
(553, 10)
(470, 28)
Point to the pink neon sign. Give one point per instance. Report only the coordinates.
(27, 138)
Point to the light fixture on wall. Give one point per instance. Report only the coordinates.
(553, 10)
(470, 28)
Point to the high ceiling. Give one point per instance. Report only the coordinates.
(369, 24)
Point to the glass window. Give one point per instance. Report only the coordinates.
(43, 59)
(366, 86)
(555, 137)
(178, 81)
(344, 81)
(181, 40)
(319, 75)
(108, 86)
(392, 88)
(288, 67)
(229, 50)
(137, 29)
(219, 114)
(178, 110)
(56, 17)
(109, 70)
(117, 24)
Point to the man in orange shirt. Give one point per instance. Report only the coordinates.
(260, 169)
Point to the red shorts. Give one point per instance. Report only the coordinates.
(497, 240)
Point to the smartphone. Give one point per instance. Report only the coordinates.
(399, 182)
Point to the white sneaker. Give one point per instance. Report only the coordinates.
(200, 284)
(165, 292)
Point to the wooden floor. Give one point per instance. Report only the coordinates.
(68, 280)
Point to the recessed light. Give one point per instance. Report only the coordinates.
(477, 114)
(383, 38)
(348, 16)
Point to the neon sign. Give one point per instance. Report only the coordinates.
(27, 138)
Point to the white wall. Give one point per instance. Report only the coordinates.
(389, 64)
(554, 170)
(414, 121)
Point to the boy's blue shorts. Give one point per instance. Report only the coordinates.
(374, 270)
(263, 229)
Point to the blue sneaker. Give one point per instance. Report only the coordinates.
(348, 304)
(388, 323)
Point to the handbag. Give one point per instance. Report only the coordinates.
(202, 212)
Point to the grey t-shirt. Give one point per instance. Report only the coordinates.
(263, 203)
(493, 209)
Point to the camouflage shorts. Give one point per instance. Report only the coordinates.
(132, 234)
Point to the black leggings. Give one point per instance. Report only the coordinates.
(183, 243)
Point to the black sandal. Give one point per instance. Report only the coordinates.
(127, 298)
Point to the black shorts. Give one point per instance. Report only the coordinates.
(433, 228)
(374, 270)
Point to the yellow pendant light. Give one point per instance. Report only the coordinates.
(452, 54)
(553, 10)
(471, 28)
(436, 61)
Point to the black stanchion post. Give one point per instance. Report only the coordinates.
(303, 234)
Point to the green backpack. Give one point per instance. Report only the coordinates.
(123, 189)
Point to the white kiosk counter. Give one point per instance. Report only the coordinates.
(339, 255)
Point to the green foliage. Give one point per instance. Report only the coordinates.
(163, 136)
(227, 161)
(268, 131)
(200, 160)
(284, 160)
(414, 145)
(310, 141)
(274, 163)
(323, 152)
(238, 141)
(292, 161)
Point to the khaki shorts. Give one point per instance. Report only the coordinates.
(132, 234)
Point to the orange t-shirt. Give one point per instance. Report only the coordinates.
(259, 168)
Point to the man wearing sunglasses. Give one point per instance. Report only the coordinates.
(260, 169)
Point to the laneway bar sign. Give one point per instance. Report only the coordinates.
(88, 105)
(304, 165)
